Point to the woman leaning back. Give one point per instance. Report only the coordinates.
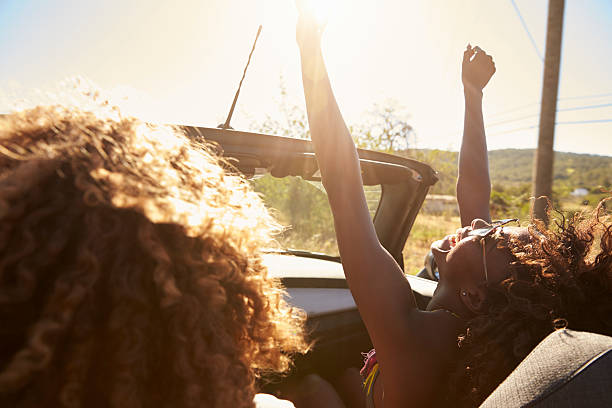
(498, 295)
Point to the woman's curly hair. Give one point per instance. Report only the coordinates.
(130, 268)
(561, 277)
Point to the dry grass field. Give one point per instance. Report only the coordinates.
(429, 227)
(426, 229)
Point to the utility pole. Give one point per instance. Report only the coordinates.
(544, 157)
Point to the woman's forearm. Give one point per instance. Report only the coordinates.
(473, 182)
(336, 153)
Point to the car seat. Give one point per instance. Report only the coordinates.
(567, 369)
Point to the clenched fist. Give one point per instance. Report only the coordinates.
(477, 69)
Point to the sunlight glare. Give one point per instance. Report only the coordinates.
(326, 10)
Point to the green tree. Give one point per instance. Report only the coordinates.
(291, 122)
(302, 206)
(386, 129)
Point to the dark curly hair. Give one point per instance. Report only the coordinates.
(561, 277)
(130, 268)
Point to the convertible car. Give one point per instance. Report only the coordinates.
(395, 189)
(567, 369)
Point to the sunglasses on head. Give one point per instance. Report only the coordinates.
(483, 233)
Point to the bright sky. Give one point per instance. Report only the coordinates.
(182, 62)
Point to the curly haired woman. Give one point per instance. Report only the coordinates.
(560, 278)
(501, 288)
(130, 271)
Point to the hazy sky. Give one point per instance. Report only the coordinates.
(181, 61)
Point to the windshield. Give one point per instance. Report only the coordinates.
(301, 207)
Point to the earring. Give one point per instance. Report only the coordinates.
(463, 293)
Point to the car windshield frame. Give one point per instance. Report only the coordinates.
(404, 182)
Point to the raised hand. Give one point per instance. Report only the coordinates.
(477, 69)
(308, 30)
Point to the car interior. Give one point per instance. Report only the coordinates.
(568, 368)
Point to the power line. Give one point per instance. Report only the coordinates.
(603, 105)
(535, 46)
(587, 96)
(574, 108)
(518, 108)
(570, 122)
(520, 118)
(503, 122)
(580, 122)
(566, 98)
(503, 132)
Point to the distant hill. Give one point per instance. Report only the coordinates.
(513, 168)
(576, 170)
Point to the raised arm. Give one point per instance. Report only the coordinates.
(370, 270)
(381, 292)
(473, 183)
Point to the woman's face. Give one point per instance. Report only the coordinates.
(460, 257)
(460, 260)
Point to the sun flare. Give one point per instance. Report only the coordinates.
(326, 10)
